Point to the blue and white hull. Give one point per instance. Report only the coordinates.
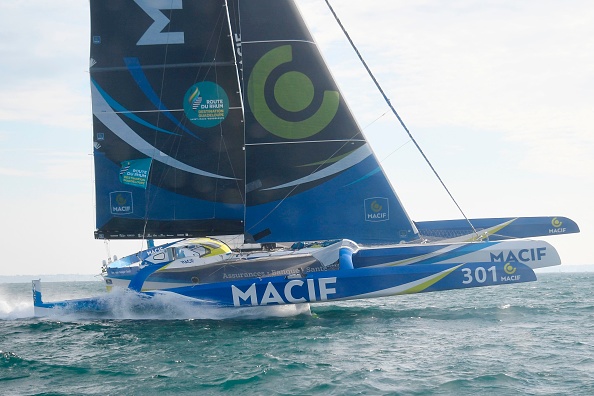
(341, 271)
(353, 284)
(338, 285)
(150, 274)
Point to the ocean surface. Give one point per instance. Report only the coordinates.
(526, 339)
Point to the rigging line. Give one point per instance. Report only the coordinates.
(233, 50)
(398, 148)
(374, 121)
(216, 77)
(242, 89)
(240, 94)
(206, 49)
(224, 145)
(396, 113)
(106, 244)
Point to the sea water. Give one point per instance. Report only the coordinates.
(526, 339)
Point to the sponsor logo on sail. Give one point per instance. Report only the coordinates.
(155, 34)
(206, 104)
(377, 209)
(293, 92)
(121, 202)
(135, 172)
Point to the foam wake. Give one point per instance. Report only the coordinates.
(12, 310)
(125, 304)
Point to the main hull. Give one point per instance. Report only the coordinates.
(196, 271)
(352, 284)
(338, 285)
(337, 272)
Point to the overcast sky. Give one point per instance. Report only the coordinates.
(499, 94)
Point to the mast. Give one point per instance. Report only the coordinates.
(235, 38)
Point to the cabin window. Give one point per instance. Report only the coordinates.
(191, 251)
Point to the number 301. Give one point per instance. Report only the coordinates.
(480, 274)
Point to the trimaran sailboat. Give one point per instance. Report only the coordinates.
(218, 118)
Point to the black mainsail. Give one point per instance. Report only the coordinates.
(218, 117)
(167, 123)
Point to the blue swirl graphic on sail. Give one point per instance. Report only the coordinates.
(353, 159)
(135, 70)
(367, 176)
(103, 107)
(113, 104)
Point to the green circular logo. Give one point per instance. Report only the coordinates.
(206, 104)
(293, 92)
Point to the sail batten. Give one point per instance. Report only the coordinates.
(307, 142)
(279, 41)
(166, 66)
